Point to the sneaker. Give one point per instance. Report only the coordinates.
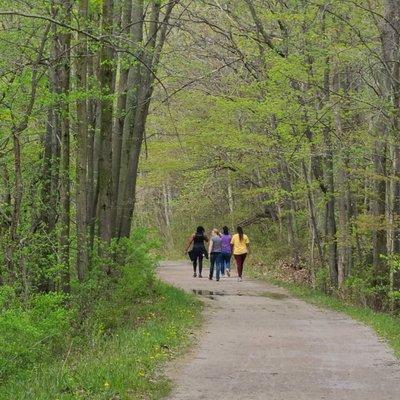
(194, 275)
(210, 278)
(240, 279)
(200, 276)
(228, 273)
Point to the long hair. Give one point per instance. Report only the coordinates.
(239, 230)
(215, 231)
(225, 229)
(200, 230)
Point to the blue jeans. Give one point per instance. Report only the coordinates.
(215, 262)
(225, 262)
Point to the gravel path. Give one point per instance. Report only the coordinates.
(260, 343)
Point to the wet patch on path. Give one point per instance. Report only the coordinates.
(211, 294)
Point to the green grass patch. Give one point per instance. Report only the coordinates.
(385, 325)
(122, 365)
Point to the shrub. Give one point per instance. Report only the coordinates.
(134, 281)
(44, 327)
(32, 333)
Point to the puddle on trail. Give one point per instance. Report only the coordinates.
(213, 294)
(274, 295)
(201, 292)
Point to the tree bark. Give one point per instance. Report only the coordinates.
(118, 127)
(133, 84)
(313, 219)
(62, 43)
(93, 145)
(105, 157)
(82, 259)
(343, 234)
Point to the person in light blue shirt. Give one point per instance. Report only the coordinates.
(215, 254)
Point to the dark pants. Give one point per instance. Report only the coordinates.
(199, 258)
(239, 262)
(215, 262)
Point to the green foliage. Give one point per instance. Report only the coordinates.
(106, 339)
(123, 363)
(322, 279)
(32, 333)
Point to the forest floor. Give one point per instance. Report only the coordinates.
(259, 342)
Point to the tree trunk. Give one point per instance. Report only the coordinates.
(118, 128)
(141, 111)
(378, 208)
(105, 157)
(313, 219)
(137, 112)
(343, 234)
(62, 42)
(81, 146)
(286, 182)
(93, 145)
(390, 36)
(330, 189)
(133, 84)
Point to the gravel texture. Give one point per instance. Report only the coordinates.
(258, 342)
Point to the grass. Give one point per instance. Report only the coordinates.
(385, 325)
(125, 365)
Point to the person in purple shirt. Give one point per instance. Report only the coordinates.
(226, 251)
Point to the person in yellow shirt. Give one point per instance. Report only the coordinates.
(240, 248)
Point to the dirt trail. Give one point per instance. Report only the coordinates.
(259, 343)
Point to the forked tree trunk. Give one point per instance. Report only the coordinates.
(137, 110)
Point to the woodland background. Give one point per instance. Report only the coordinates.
(120, 115)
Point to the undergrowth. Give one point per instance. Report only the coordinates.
(107, 340)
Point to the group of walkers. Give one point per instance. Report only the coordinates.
(221, 247)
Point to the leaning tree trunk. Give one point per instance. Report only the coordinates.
(18, 128)
(137, 112)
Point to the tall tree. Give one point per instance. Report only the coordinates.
(82, 258)
(107, 64)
